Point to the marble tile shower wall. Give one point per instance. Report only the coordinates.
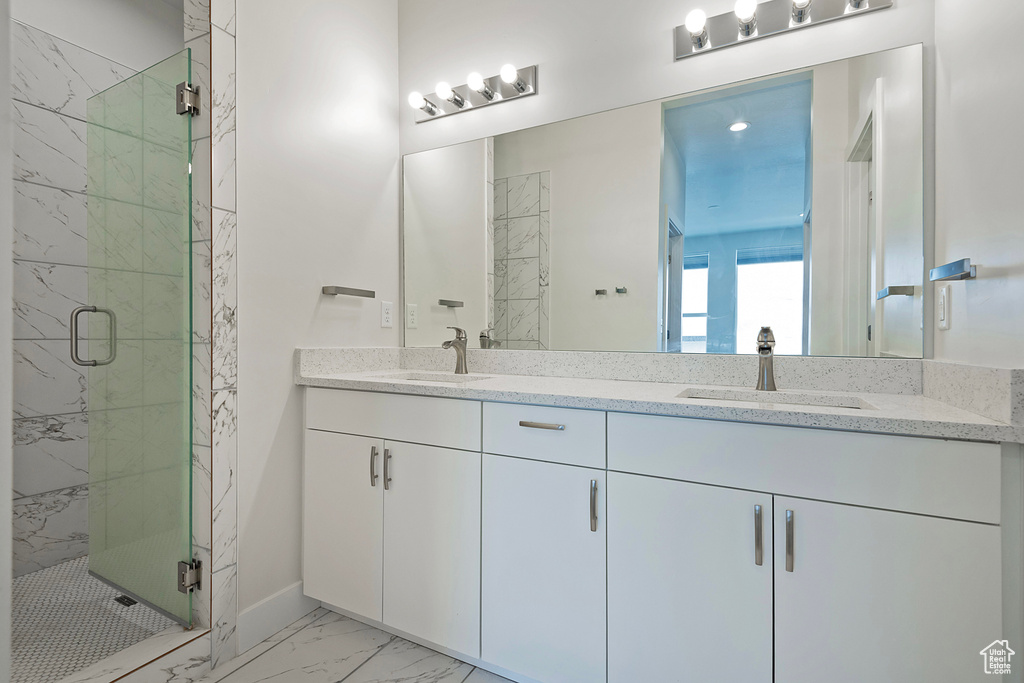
(52, 80)
(521, 260)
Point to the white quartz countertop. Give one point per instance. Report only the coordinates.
(911, 415)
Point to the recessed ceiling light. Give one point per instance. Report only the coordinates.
(739, 126)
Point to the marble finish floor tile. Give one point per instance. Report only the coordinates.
(325, 647)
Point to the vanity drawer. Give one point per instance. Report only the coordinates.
(418, 419)
(955, 479)
(562, 435)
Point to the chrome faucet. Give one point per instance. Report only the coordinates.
(765, 360)
(485, 339)
(459, 344)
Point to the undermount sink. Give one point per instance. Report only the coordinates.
(433, 377)
(777, 397)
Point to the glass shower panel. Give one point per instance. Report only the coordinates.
(139, 318)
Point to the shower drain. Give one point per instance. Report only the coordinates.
(125, 600)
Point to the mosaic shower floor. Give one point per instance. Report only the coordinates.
(64, 620)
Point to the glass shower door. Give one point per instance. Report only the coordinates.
(136, 337)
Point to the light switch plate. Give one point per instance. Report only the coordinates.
(387, 314)
(412, 316)
(943, 305)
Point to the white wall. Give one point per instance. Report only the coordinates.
(445, 240)
(6, 333)
(603, 54)
(136, 33)
(979, 168)
(317, 137)
(605, 208)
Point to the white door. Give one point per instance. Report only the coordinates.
(543, 610)
(687, 597)
(883, 596)
(343, 521)
(432, 545)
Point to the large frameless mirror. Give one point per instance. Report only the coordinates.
(685, 225)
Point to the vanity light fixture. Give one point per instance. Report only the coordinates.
(801, 11)
(697, 25)
(752, 20)
(746, 16)
(445, 92)
(477, 83)
(739, 126)
(478, 92)
(418, 101)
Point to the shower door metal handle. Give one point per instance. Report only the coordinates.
(74, 336)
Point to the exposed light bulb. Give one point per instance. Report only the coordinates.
(443, 90)
(696, 21)
(801, 11)
(746, 10)
(510, 74)
(801, 4)
(739, 126)
(416, 100)
(475, 81)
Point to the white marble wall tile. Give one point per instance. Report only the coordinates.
(225, 464)
(124, 158)
(544, 324)
(490, 299)
(201, 47)
(122, 292)
(500, 279)
(544, 249)
(187, 664)
(123, 235)
(411, 663)
(545, 191)
(163, 306)
(500, 199)
(201, 394)
(223, 126)
(202, 201)
(500, 240)
(489, 162)
(52, 73)
(50, 528)
(202, 498)
(222, 15)
(49, 149)
(523, 280)
(50, 453)
(500, 320)
(162, 185)
(44, 296)
(523, 237)
(50, 225)
(202, 598)
(202, 291)
(153, 361)
(225, 615)
(523, 320)
(165, 242)
(225, 301)
(197, 18)
(48, 382)
(524, 195)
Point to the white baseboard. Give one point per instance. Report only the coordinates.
(270, 615)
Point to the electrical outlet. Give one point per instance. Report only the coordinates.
(412, 316)
(943, 304)
(387, 314)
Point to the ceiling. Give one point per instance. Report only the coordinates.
(754, 179)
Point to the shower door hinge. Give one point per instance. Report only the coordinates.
(190, 576)
(187, 99)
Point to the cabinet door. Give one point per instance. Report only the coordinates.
(343, 522)
(543, 610)
(883, 596)
(687, 599)
(432, 545)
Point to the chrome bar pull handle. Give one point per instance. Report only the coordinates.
(373, 466)
(593, 504)
(541, 425)
(387, 469)
(789, 540)
(75, 358)
(758, 536)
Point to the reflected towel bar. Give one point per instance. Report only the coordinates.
(333, 290)
(958, 270)
(897, 290)
(450, 303)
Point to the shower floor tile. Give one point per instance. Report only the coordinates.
(64, 620)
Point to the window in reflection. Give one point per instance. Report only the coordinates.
(694, 337)
(770, 288)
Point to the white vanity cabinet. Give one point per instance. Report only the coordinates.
(391, 529)
(689, 582)
(543, 570)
